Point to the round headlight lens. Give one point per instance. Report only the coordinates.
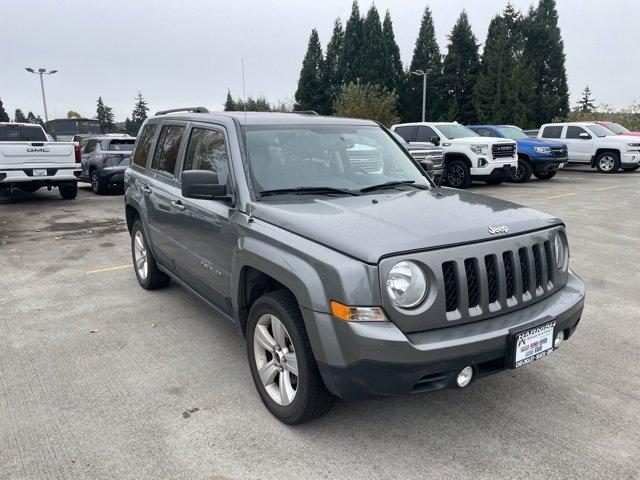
(406, 284)
(559, 251)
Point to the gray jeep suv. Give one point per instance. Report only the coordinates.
(345, 280)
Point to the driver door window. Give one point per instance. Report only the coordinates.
(207, 150)
(425, 134)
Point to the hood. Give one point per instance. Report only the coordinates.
(540, 142)
(631, 134)
(410, 220)
(470, 140)
(629, 137)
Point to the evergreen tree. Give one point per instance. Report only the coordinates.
(19, 117)
(229, 104)
(426, 57)
(129, 127)
(139, 114)
(31, 118)
(375, 58)
(104, 114)
(544, 50)
(349, 63)
(460, 71)
(585, 104)
(4, 117)
(39, 121)
(332, 80)
(397, 71)
(311, 94)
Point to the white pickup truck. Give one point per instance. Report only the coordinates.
(29, 162)
(467, 156)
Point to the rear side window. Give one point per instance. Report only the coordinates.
(141, 153)
(552, 132)
(207, 150)
(121, 145)
(21, 133)
(166, 154)
(425, 134)
(574, 132)
(408, 133)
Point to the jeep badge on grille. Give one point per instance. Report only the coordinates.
(496, 230)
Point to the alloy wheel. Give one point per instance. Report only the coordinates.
(94, 181)
(275, 359)
(455, 175)
(606, 163)
(140, 256)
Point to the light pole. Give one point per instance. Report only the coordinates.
(424, 89)
(41, 72)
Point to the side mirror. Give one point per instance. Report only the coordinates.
(435, 140)
(202, 184)
(585, 136)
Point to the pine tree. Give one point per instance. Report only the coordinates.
(460, 70)
(4, 117)
(397, 70)
(129, 127)
(376, 61)
(426, 57)
(19, 117)
(31, 118)
(311, 92)
(104, 114)
(585, 104)
(139, 114)
(229, 104)
(349, 64)
(331, 73)
(544, 50)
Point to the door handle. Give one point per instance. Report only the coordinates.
(145, 189)
(177, 204)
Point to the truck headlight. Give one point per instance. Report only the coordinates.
(406, 284)
(560, 250)
(479, 148)
(542, 149)
(633, 146)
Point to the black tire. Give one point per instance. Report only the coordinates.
(312, 399)
(155, 279)
(546, 175)
(631, 169)
(608, 162)
(522, 173)
(68, 191)
(494, 180)
(97, 184)
(457, 174)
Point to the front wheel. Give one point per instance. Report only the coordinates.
(68, 191)
(457, 174)
(282, 364)
(97, 185)
(546, 175)
(631, 169)
(522, 173)
(608, 162)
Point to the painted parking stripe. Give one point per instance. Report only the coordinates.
(607, 188)
(109, 269)
(559, 196)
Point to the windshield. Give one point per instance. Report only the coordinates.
(338, 157)
(512, 132)
(452, 131)
(598, 130)
(616, 128)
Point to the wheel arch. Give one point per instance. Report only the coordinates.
(602, 150)
(448, 157)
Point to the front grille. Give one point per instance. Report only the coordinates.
(549, 259)
(537, 265)
(559, 152)
(473, 287)
(434, 155)
(492, 277)
(367, 162)
(450, 285)
(499, 150)
(508, 274)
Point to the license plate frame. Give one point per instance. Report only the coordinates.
(39, 172)
(543, 332)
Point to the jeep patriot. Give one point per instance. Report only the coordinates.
(346, 281)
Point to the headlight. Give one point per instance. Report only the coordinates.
(478, 149)
(633, 146)
(406, 284)
(560, 251)
(542, 149)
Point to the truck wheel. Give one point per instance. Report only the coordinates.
(97, 185)
(457, 174)
(144, 264)
(68, 191)
(282, 364)
(631, 169)
(522, 173)
(549, 174)
(608, 162)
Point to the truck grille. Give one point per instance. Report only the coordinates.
(499, 150)
(480, 283)
(559, 152)
(434, 155)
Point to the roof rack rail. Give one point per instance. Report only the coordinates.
(184, 109)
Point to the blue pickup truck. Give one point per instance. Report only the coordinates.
(539, 157)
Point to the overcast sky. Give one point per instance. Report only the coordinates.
(188, 52)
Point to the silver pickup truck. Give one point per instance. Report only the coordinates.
(29, 162)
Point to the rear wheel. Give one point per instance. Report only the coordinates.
(608, 162)
(282, 364)
(631, 169)
(522, 173)
(144, 264)
(68, 191)
(457, 174)
(97, 185)
(546, 175)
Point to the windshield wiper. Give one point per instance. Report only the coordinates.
(306, 190)
(391, 184)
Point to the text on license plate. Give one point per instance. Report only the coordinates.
(39, 172)
(533, 344)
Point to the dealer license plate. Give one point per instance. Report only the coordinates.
(561, 165)
(533, 344)
(39, 172)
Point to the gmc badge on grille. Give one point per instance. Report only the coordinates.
(497, 230)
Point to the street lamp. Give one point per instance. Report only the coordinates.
(41, 72)
(424, 89)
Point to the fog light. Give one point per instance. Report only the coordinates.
(464, 377)
(482, 162)
(558, 340)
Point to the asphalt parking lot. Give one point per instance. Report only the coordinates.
(101, 379)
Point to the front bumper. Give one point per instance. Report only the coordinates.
(629, 159)
(360, 360)
(495, 168)
(545, 164)
(113, 175)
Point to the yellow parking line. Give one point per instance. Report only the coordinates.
(109, 269)
(607, 188)
(561, 195)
